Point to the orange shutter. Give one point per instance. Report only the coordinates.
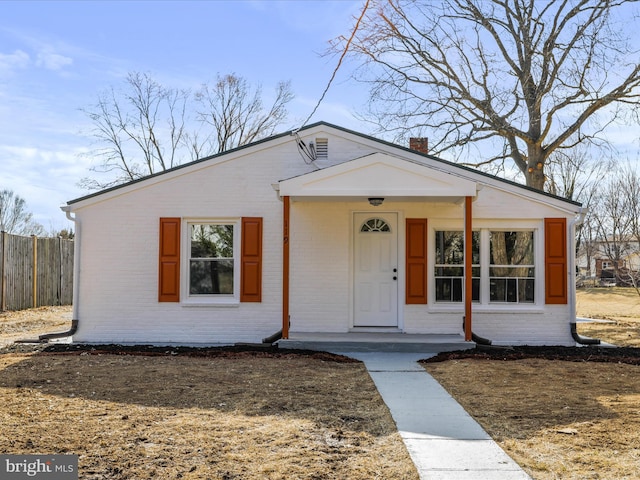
(555, 260)
(416, 268)
(251, 260)
(169, 266)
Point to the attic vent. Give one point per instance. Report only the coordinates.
(322, 148)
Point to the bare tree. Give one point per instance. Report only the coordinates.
(631, 189)
(14, 216)
(520, 79)
(573, 174)
(147, 128)
(588, 245)
(612, 221)
(140, 130)
(236, 112)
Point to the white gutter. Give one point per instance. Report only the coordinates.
(572, 281)
(572, 262)
(76, 259)
(76, 281)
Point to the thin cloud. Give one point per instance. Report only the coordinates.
(52, 61)
(37, 51)
(17, 60)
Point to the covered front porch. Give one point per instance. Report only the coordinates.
(359, 267)
(375, 342)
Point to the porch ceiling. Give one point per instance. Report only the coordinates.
(378, 175)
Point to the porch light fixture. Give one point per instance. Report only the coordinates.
(376, 201)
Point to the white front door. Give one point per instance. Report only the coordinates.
(375, 270)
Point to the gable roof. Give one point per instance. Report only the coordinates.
(381, 175)
(445, 164)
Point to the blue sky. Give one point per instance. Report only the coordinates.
(56, 57)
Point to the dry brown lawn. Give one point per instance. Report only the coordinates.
(254, 416)
(559, 419)
(33, 322)
(619, 305)
(250, 415)
(143, 417)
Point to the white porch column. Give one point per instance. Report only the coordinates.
(468, 262)
(285, 267)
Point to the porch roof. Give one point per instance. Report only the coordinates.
(378, 175)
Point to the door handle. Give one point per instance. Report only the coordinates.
(395, 278)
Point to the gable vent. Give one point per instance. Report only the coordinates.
(322, 148)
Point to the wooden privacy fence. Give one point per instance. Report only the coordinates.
(35, 272)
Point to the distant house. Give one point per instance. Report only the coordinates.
(607, 270)
(323, 230)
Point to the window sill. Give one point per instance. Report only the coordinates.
(487, 308)
(211, 302)
(509, 307)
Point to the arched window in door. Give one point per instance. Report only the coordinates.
(375, 225)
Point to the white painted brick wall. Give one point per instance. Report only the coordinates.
(119, 256)
(320, 256)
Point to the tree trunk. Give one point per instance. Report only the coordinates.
(536, 160)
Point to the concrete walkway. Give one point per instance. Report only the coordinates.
(444, 441)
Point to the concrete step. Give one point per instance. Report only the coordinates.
(375, 342)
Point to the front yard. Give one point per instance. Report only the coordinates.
(248, 415)
(239, 416)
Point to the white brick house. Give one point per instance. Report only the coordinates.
(237, 246)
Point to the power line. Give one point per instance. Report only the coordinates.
(335, 71)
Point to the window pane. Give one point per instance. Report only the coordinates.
(450, 248)
(211, 277)
(456, 292)
(497, 288)
(443, 289)
(512, 272)
(212, 241)
(449, 270)
(475, 289)
(511, 248)
(525, 290)
(511, 291)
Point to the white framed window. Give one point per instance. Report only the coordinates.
(512, 267)
(212, 270)
(449, 266)
(504, 265)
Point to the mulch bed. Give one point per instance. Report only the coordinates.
(627, 355)
(237, 351)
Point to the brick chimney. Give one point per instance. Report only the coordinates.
(419, 144)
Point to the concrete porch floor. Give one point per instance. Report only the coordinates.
(375, 342)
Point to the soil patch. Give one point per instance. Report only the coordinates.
(237, 351)
(628, 355)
